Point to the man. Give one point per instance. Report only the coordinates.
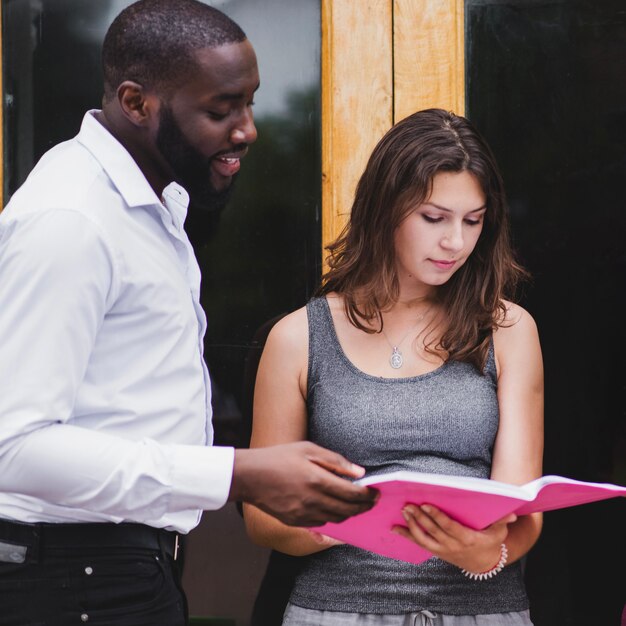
(105, 426)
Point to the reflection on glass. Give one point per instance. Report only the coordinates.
(545, 84)
(265, 257)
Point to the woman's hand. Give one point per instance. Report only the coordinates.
(473, 550)
(324, 541)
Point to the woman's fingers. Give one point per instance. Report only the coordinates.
(422, 528)
(434, 531)
(436, 523)
(324, 540)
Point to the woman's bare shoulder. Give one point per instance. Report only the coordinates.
(292, 328)
(517, 335)
(517, 320)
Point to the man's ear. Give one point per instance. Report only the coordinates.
(136, 104)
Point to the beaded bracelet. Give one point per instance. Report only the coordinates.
(496, 569)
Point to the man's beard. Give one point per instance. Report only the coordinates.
(191, 169)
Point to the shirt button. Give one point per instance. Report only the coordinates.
(89, 571)
(84, 617)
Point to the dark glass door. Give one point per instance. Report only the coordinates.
(545, 84)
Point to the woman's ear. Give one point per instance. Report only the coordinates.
(136, 104)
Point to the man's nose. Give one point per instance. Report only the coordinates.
(244, 130)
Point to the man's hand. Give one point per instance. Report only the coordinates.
(299, 483)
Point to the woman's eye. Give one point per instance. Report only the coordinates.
(214, 115)
(430, 219)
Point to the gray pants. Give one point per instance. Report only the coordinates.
(297, 616)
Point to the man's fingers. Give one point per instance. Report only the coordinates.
(336, 506)
(335, 463)
(336, 486)
(321, 509)
(341, 489)
(298, 483)
(327, 497)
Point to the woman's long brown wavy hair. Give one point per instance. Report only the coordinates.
(397, 179)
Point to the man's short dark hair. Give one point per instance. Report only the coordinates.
(151, 42)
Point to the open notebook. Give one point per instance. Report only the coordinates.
(475, 502)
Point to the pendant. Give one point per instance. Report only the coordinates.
(396, 359)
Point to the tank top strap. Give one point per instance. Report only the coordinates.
(490, 366)
(323, 342)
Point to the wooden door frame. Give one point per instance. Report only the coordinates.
(381, 61)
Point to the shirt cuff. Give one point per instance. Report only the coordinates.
(201, 477)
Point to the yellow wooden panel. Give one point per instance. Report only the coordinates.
(357, 101)
(429, 56)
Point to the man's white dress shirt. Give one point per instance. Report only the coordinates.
(105, 410)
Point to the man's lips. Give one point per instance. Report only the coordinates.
(228, 164)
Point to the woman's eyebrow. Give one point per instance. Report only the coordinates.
(443, 208)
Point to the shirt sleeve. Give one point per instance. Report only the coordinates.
(57, 279)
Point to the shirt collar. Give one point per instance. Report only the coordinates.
(124, 172)
(176, 200)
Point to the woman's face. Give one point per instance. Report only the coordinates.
(437, 237)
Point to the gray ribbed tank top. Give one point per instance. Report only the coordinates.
(442, 422)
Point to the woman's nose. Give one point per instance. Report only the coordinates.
(453, 239)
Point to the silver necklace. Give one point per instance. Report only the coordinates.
(396, 360)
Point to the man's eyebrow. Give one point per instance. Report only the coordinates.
(443, 208)
(228, 97)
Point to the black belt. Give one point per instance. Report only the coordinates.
(21, 542)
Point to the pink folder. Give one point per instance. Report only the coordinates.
(475, 502)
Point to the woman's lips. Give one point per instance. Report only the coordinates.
(443, 265)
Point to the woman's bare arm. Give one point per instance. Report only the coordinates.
(280, 417)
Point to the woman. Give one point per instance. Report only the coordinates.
(412, 358)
